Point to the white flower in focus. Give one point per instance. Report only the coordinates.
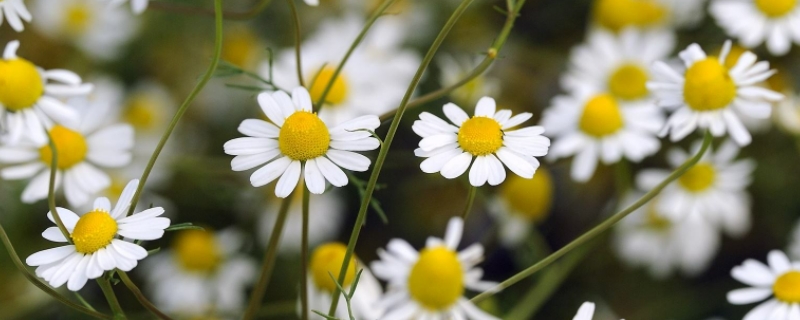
(707, 93)
(520, 204)
(753, 22)
(450, 148)
(15, 12)
(325, 216)
(430, 284)
(30, 98)
(298, 140)
(713, 190)
(779, 280)
(454, 69)
(98, 244)
(138, 6)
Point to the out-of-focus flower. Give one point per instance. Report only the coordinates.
(713, 190)
(430, 284)
(449, 148)
(15, 12)
(30, 98)
(585, 312)
(138, 6)
(97, 246)
(298, 138)
(454, 69)
(520, 203)
(312, 2)
(202, 272)
(325, 216)
(242, 47)
(706, 94)
(754, 22)
(794, 243)
(616, 15)
(326, 262)
(780, 280)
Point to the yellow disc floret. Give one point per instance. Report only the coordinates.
(77, 19)
(21, 85)
(327, 260)
(708, 86)
(699, 178)
(319, 82)
(530, 198)
(618, 14)
(628, 82)
(776, 8)
(437, 279)
(787, 287)
(71, 147)
(304, 136)
(141, 112)
(601, 116)
(480, 136)
(94, 231)
(197, 251)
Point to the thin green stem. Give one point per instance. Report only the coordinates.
(51, 189)
(108, 292)
(140, 296)
(304, 258)
(297, 42)
(84, 302)
(387, 143)
(193, 10)
(602, 227)
(375, 15)
(185, 106)
(269, 260)
(470, 201)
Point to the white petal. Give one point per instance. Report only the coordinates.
(456, 166)
(748, 295)
(349, 160)
(302, 99)
(455, 229)
(49, 256)
(315, 182)
(479, 172)
(455, 114)
(333, 173)
(486, 107)
(270, 172)
(288, 181)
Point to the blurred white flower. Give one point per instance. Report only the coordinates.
(520, 203)
(585, 312)
(325, 217)
(794, 243)
(15, 12)
(312, 2)
(138, 6)
(616, 15)
(779, 280)
(454, 69)
(776, 22)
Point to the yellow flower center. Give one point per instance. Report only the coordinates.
(655, 220)
(698, 178)
(141, 112)
(94, 231)
(239, 47)
(618, 14)
(776, 8)
(327, 260)
(601, 116)
(530, 198)
(628, 82)
(21, 85)
(319, 82)
(787, 287)
(197, 251)
(304, 136)
(708, 86)
(70, 145)
(78, 17)
(480, 136)
(437, 279)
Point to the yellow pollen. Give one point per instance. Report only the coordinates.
(529, 198)
(601, 116)
(197, 251)
(776, 8)
(78, 17)
(71, 147)
(708, 86)
(699, 178)
(94, 231)
(480, 136)
(628, 82)
(304, 136)
(787, 287)
(21, 84)
(319, 81)
(618, 14)
(141, 112)
(327, 260)
(437, 279)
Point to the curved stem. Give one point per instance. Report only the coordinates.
(304, 258)
(108, 292)
(603, 226)
(184, 106)
(297, 42)
(51, 191)
(470, 201)
(178, 8)
(140, 296)
(387, 143)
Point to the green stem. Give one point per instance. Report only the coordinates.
(108, 292)
(84, 302)
(602, 227)
(51, 191)
(470, 201)
(185, 106)
(297, 42)
(304, 258)
(387, 143)
(140, 296)
(193, 10)
(269, 260)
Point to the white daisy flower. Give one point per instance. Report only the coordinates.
(794, 245)
(454, 69)
(779, 280)
(298, 140)
(787, 113)
(201, 273)
(646, 238)
(520, 203)
(450, 148)
(97, 244)
(713, 190)
(325, 216)
(81, 150)
(138, 6)
(585, 312)
(326, 261)
(706, 94)
(753, 22)
(616, 15)
(596, 127)
(430, 284)
(30, 97)
(15, 12)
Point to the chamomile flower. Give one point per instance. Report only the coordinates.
(97, 243)
(616, 15)
(15, 12)
(450, 148)
(779, 280)
(298, 140)
(520, 203)
(713, 190)
(454, 69)
(707, 93)
(202, 272)
(585, 312)
(30, 97)
(326, 261)
(753, 22)
(138, 6)
(325, 216)
(430, 284)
